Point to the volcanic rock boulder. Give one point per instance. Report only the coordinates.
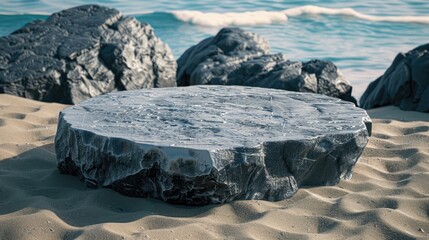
(405, 83)
(237, 57)
(211, 144)
(83, 52)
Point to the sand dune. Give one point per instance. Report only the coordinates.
(387, 198)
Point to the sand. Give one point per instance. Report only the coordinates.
(387, 198)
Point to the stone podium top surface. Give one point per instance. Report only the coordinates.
(215, 117)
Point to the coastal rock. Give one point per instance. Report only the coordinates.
(238, 57)
(211, 144)
(405, 83)
(83, 52)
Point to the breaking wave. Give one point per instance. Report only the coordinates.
(271, 17)
(249, 18)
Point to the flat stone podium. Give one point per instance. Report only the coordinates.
(211, 144)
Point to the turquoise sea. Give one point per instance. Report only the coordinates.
(361, 37)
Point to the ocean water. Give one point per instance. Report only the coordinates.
(360, 37)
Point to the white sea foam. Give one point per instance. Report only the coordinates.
(25, 13)
(269, 17)
(214, 19)
(315, 10)
(230, 18)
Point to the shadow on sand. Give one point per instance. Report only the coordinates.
(31, 181)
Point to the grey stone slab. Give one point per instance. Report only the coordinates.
(211, 144)
(83, 52)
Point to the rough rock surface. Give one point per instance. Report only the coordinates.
(83, 52)
(237, 57)
(405, 83)
(211, 144)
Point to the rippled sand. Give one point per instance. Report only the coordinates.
(387, 198)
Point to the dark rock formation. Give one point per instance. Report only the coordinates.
(405, 83)
(211, 144)
(83, 52)
(237, 57)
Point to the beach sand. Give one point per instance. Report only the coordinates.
(387, 198)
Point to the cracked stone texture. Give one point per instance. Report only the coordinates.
(211, 144)
(81, 53)
(405, 83)
(238, 57)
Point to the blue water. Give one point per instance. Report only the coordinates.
(361, 43)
